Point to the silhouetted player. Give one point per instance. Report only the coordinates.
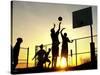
(65, 40)
(41, 55)
(55, 44)
(16, 51)
(46, 59)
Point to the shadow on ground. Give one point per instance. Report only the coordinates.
(86, 66)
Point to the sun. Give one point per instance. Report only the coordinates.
(63, 62)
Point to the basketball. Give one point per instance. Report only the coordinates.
(60, 18)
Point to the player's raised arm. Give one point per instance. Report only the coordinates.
(61, 31)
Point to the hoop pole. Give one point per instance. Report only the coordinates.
(27, 56)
